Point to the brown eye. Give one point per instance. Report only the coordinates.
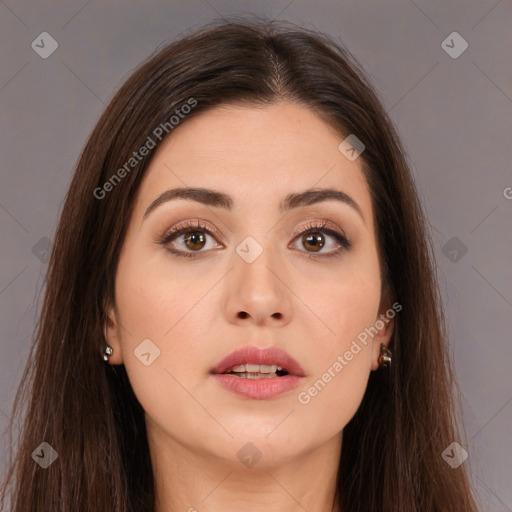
(194, 240)
(319, 241)
(313, 241)
(189, 239)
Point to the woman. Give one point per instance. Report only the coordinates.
(241, 309)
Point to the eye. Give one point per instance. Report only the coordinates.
(194, 238)
(195, 234)
(313, 236)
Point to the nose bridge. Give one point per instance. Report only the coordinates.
(257, 265)
(256, 284)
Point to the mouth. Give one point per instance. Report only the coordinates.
(255, 363)
(258, 373)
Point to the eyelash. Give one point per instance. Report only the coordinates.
(313, 227)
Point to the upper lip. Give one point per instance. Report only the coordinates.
(255, 355)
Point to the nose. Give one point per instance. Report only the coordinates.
(258, 292)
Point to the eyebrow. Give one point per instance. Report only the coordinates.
(222, 200)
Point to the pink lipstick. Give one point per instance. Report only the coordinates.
(258, 373)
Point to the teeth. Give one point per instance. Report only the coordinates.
(251, 375)
(255, 368)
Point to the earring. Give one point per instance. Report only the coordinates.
(385, 356)
(107, 352)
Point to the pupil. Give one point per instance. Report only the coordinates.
(316, 240)
(193, 238)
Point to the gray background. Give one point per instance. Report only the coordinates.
(454, 116)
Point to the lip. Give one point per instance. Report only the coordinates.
(255, 355)
(259, 389)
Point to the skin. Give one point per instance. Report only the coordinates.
(189, 308)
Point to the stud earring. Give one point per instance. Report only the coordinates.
(385, 356)
(107, 352)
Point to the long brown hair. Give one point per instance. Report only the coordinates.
(86, 409)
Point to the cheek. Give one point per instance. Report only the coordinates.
(154, 298)
(341, 363)
(342, 356)
(348, 300)
(155, 306)
(170, 308)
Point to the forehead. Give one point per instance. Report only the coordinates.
(256, 155)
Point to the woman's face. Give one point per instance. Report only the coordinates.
(184, 304)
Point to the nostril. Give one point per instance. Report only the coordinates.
(243, 314)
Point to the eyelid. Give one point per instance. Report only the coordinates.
(199, 224)
(320, 224)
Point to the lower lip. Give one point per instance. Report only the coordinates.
(259, 389)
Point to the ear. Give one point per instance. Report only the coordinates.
(112, 333)
(384, 325)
